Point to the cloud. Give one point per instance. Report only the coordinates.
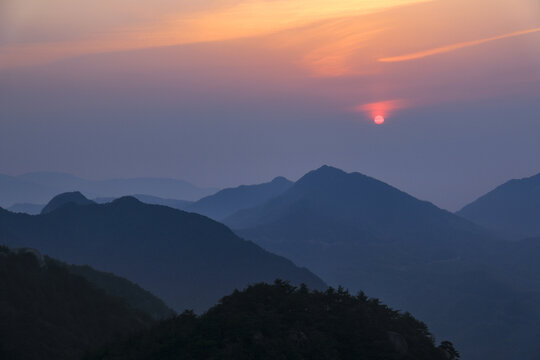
(453, 47)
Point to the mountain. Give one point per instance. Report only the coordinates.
(26, 208)
(328, 211)
(39, 187)
(15, 190)
(228, 201)
(60, 200)
(135, 296)
(49, 313)
(153, 200)
(223, 203)
(34, 209)
(361, 233)
(512, 210)
(186, 259)
(268, 322)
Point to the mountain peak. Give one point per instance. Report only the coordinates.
(126, 200)
(323, 174)
(280, 179)
(75, 197)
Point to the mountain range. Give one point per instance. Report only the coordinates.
(40, 187)
(458, 272)
(186, 259)
(356, 231)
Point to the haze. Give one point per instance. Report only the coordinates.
(222, 93)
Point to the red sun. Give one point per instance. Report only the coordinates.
(379, 119)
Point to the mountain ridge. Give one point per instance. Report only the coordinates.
(126, 237)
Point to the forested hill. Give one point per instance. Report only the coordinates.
(280, 321)
(48, 313)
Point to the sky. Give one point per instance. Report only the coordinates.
(229, 92)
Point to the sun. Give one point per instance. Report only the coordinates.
(379, 119)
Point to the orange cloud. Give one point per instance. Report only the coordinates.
(453, 47)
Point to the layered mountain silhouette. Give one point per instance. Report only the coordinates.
(329, 210)
(186, 259)
(278, 321)
(58, 201)
(40, 187)
(366, 235)
(49, 313)
(228, 201)
(512, 210)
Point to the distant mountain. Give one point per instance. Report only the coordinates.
(15, 190)
(361, 233)
(186, 259)
(153, 200)
(268, 322)
(512, 210)
(38, 188)
(49, 313)
(58, 201)
(26, 208)
(330, 210)
(228, 201)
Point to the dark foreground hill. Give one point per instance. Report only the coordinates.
(512, 210)
(282, 322)
(188, 260)
(48, 313)
(361, 233)
(134, 295)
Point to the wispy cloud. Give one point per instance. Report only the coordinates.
(453, 47)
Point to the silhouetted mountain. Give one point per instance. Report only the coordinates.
(48, 313)
(34, 209)
(366, 235)
(38, 188)
(60, 200)
(512, 210)
(26, 208)
(267, 322)
(153, 200)
(328, 210)
(186, 259)
(228, 201)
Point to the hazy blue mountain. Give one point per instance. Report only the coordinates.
(26, 208)
(361, 233)
(60, 200)
(512, 210)
(15, 190)
(228, 201)
(49, 313)
(186, 259)
(39, 187)
(268, 322)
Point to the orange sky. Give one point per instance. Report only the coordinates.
(319, 38)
